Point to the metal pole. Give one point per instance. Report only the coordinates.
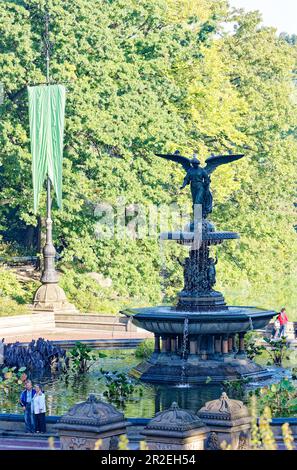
(47, 44)
(49, 274)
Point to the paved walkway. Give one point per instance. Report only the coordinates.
(26, 443)
(24, 328)
(71, 334)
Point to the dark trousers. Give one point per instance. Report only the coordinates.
(40, 422)
(29, 419)
(282, 331)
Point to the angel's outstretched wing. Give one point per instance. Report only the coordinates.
(216, 160)
(178, 158)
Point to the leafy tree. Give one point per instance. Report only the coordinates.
(121, 102)
(145, 76)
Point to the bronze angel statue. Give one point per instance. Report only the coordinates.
(199, 178)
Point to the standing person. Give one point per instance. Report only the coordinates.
(26, 403)
(275, 330)
(39, 409)
(283, 320)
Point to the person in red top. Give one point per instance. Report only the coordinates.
(283, 320)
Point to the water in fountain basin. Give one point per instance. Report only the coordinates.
(184, 354)
(163, 266)
(251, 324)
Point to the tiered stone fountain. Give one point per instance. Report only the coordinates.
(201, 338)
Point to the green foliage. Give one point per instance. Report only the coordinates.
(274, 351)
(145, 349)
(86, 294)
(119, 386)
(252, 348)
(280, 397)
(14, 295)
(10, 287)
(236, 388)
(89, 296)
(11, 380)
(10, 307)
(278, 350)
(144, 76)
(82, 358)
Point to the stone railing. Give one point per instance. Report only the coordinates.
(218, 421)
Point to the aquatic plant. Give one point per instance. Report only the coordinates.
(38, 355)
(11, 379)
(280, 397)
(119, 386)
(236, 388)
(82, 357)
(145, 349)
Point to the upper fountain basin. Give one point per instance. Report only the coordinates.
(169, 320)
(188, 238)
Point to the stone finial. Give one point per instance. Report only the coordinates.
(174, 420)
(175, 428)
(87, 422)
(228, 421)
(223, 409)
(92, 414)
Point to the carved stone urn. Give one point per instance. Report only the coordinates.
(91, 425)
(175, 429)
(229, 423)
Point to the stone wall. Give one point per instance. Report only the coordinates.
(94, 321)
(14, 423)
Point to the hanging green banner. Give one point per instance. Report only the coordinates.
(46, 113)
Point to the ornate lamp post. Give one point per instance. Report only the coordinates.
(49, 274)
(50, 297)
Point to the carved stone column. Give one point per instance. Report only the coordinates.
(88, 422)
(193, 346)
(241, 346)
(228, 421)
(157, 344)
(211, 347)
(180, 344)
(168, 344)
(175, 429)
(225, 344)
(218, 345)
(174, 345)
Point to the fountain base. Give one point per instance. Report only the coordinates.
(172, 370)
(199, 346)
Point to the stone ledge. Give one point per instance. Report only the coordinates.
(94, 322)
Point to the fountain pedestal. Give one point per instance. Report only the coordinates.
(201, 339)
(211, 351)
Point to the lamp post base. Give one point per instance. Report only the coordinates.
(50, 297)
